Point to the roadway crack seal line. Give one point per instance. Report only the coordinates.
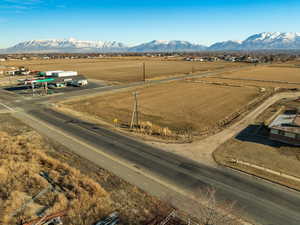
(98, 151)
(95, 149)
(151, 177)
(199, 177)
(19, 115)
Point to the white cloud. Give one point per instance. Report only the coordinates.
(20, 5)
(24, 2)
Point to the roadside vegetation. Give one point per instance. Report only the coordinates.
(90, 192)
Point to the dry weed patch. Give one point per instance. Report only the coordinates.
(91, 192)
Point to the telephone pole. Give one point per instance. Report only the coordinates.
(45, 84)
(135, 112)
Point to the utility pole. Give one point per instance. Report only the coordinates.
(135, 112)
(144, 71)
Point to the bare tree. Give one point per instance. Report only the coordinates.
(213, 212)
(205, 209)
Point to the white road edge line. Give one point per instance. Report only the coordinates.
(7, 107)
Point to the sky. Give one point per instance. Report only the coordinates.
(138, 21)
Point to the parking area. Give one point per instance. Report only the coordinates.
(27, 90)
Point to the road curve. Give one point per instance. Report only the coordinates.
(203, 149)
(261, 201)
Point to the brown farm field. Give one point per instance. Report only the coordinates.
(177, 105)
(268, 73)
(245, 83)
(90, 192)
(124, 70)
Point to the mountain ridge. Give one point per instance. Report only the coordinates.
(260, 41)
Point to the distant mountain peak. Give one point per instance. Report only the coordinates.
(71, 39)
(273, 40)
(167, 46)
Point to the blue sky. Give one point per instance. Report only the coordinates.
(137, 21)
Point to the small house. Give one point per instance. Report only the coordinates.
(285, 128)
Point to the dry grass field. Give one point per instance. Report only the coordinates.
(247, 83)
(283, 159)
(123, 70)
(290, 64)
(253, 146)
(268, 73)
(91, 192)
(10, 81)
(177, 105)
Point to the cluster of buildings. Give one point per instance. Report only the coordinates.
(20, 57)
(202, 59)
(228, 58)
(55, 79)
(12, 71)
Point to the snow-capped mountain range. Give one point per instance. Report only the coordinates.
(261, 41)
(67, 45)
(167, 46)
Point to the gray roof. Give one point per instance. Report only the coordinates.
(283, 119)
(286, 122)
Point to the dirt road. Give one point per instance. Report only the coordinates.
(202, 150)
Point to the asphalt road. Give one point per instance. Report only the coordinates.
(261, 201)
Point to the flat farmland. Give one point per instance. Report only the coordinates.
(245, 83)
(177, 105)
(123, 70)
(268, 73)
